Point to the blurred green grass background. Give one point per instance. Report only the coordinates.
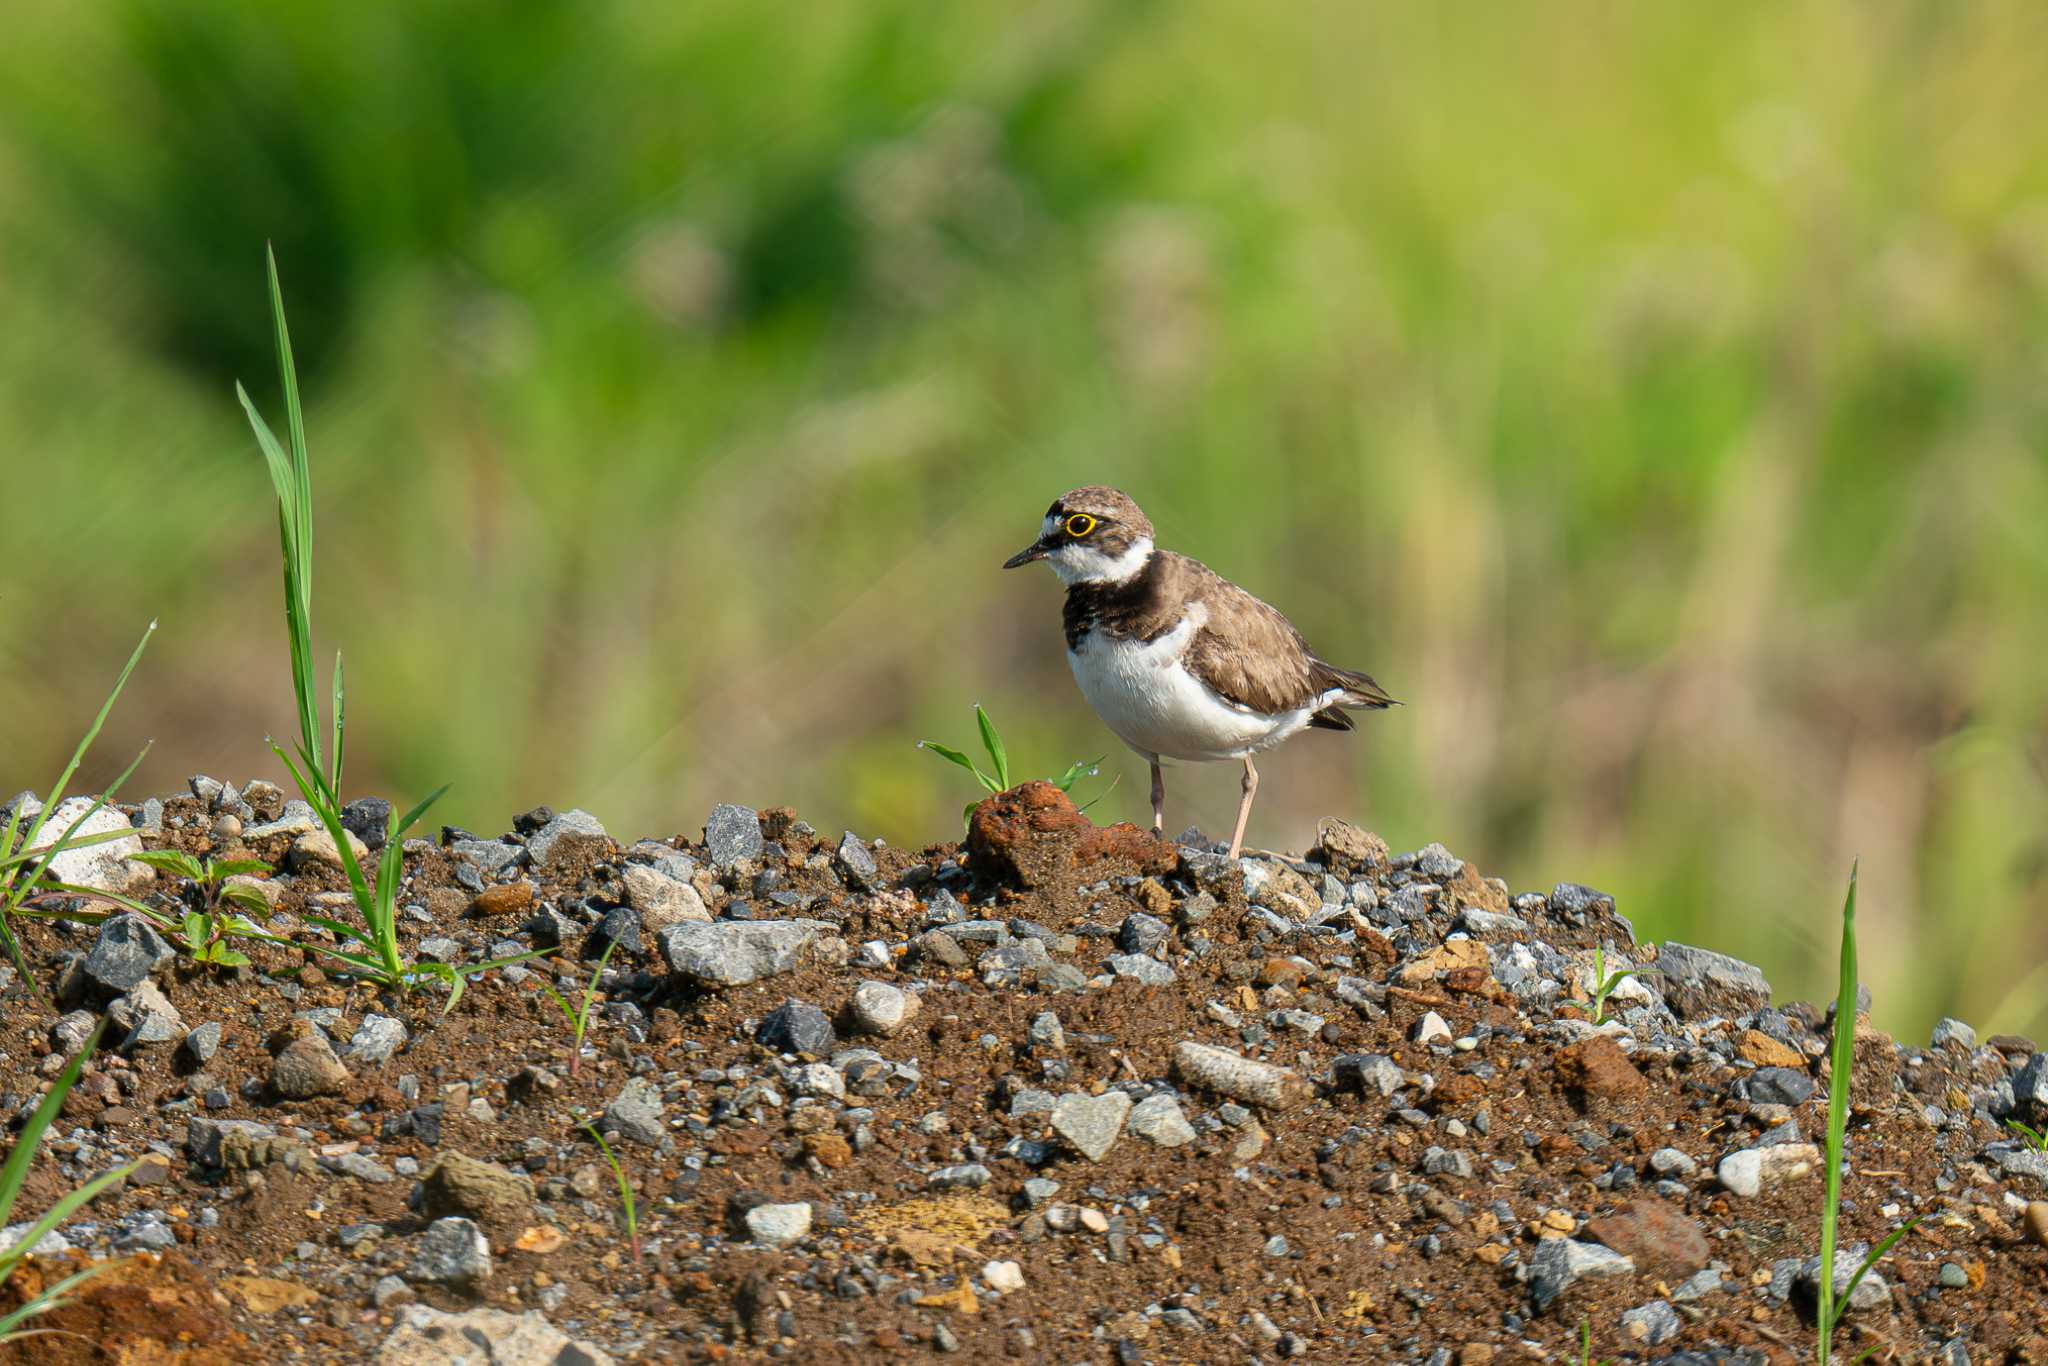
(1653, 396)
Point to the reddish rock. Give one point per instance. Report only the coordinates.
(1600, 1074)
(1659, 1236)
(1033, 835)
(510, 898)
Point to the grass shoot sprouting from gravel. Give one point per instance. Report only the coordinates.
(999, 760)
(24, 864)
(14, 1174)
(1604, 984)
(1830, 1307)
(625, 1190)
(579, 1016)
(379, 955)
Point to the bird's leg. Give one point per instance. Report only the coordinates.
(1158, 799)
(1244, 807)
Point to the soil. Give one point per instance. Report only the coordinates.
(1325, 1221)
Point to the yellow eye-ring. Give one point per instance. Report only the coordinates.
(1080, 524)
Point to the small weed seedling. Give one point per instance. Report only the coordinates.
(579, 1018)
(1830, 1308)
(207, 928)
(2037, 1139)
(999, 760)
(625, 1190)
(25, 867)
(379, 956)
(1604, 983)
(1586, 1346)
(15, 1173)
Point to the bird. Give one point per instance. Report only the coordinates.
(1179, 662)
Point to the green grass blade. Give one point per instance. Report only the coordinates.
(92, 733)
(950, 755)
(993, 743)
(1870, 1260)
(1842, 1063)
(412, 817)
(53, 1298)
(340, 726)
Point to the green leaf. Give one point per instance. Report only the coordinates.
(173, 861)
(1842, 1064)
(993, 743)
(950, 755)
(248, 898)
(240, 867)
(1076, 771)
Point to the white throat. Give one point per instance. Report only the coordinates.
(1082, 563)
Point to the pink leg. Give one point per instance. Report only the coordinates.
(1244, 807)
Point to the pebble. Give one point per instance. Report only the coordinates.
(307, 1067)
(1240, 1078)
(1091, 1125)
(735, 953)
(2036, 1222)
(733, 833)
(453, 1251)
(797, 1027)
(1430, 1029)
(125, 952)
(1557, 1263)
(1872, 1292)
(1158, 1119)
(858, 862)
(635, 1113)
(1747, 1172)
(1652, 1324)
(203, 1042)
(569, 836)
(104, 867)
(317, 849)
(881, 1009)
(377, 1039)
(1005, 1278)
(662, 900)
(145, 1015)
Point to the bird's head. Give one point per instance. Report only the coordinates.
(1091, 535)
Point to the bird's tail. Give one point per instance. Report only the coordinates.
(1359, 689)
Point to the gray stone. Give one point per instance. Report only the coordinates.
(1778, 1086)
(360, 1166)
(797, 1027)
(879, 1008)
(145, 1232)
(369, 820)
(2030, 1090)
(1091, 1124)
(1747, 1172)
(1479, 922)
(635, 1113)
(203, 1137)
(1698, 1286)
(1437, 863)
(317, 849)
(618, 933)
(1139, 968)
(1672, 1162)
(1047, 1034)
(1700, 981)
(296, 819)
(106, 867)
(858, 861)
(1372, 1074)
(145, 1015)
(662, 900)
(731, 953)
(1949, 1031)
(1871, 1292)
(1454, 1162)
(376, 1039)
(1159, 1120)
(1240, 1078)
(573, 834)
(203, 1042)
(965, 1176)
(307, 1067)
(1657, 1321)
(426, 1336)
(493, 856)
(1141, 933)
(778, 1225)
(453, 1251)
(733, 833)
(126, 950)
(1557, 1263)
(51, 1244)
(71, 1031)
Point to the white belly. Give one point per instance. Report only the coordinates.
(1147, 696)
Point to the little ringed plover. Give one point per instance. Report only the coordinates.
(1178, 661)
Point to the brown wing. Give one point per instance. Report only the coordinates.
(1251, 655)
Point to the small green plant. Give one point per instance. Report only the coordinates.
(2037, 1139)
(1831, 1307)
(379, 957)
(579, 1017)
(1604, 983)
(625, 1190)
(24, 866)
(999, 760)
(12, 1177)
(1586, 1345)
(206, 928)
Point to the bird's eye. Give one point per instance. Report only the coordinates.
(1080, 524)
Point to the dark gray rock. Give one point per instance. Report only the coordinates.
(203, 1042)
(797, 1027)
(368, 819)
(126, 951)
(1141, 933)
(1557, 1263)
(1778, 1086)
(858, 862)
(618, 932)
(733, 833)
(1700, 982)
(1369, 1074)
